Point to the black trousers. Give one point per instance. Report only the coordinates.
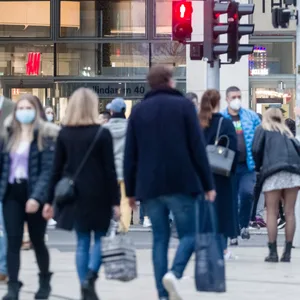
(14, 217)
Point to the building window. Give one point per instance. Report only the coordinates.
(163, 21)
(20, 19)
(102, 18)
(170, 53)
(110, 60)
(273, 58)
(26, 60)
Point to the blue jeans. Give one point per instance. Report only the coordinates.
(245, 184)
(183, 209)
(3, 244)
(88, 258)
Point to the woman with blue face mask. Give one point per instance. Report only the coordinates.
(26, 161)
(50, 114)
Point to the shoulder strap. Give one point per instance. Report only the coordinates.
(88, 153)
(218, 131)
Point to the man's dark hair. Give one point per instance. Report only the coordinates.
(191, 96)
(106, 114)
(259, 115)
(159, 77)
(291, 124)
(232, 89)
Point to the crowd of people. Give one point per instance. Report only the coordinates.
(158, 157)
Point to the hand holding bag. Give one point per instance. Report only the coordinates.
(118, 256)
(65, 189)
(210, 265)
(220, 158)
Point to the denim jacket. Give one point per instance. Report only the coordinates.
(249, 120)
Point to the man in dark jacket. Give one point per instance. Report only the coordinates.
(166, 166)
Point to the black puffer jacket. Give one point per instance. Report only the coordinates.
(274, 152)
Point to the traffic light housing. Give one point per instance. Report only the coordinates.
(236, 31)
(213, 29)
(182, 20)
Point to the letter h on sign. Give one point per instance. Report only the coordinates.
(33, 63)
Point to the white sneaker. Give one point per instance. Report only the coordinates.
(230, 256)
(170, 283)
(147, 222)
(51, 222)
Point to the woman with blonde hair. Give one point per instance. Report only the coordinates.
(26, 161)
(277, 158)
(96, 186)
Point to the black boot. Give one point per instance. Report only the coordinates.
(44, 288)
(286, 256)
(13, 290)
(88, 287)
(273, 256)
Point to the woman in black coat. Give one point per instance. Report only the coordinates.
(225, 202)
(97, 191)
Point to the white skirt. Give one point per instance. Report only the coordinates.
(281, 180)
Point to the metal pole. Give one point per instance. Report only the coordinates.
(213, 75)
(297, 209)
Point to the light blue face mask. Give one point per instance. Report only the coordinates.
(25, 116)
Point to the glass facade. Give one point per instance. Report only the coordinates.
(52, 47)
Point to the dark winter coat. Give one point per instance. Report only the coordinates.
(274, 152)
(226, 200)
(96, 186)
(40, 161)
(165, 148)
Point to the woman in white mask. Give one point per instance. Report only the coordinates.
(50, 115)
(26, 163)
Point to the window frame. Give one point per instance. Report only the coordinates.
(33, 39)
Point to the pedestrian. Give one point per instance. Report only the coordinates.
(50, 114)
(277, 156)
(211, 120)
(104, 117)
(26, 162)
(6, 108)
(97, 192)
(194, 98)
(245, 122)
(117, 126)
(166, 166)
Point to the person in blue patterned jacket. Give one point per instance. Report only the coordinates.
(245, 122)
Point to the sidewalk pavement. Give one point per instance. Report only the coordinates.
(248, 277)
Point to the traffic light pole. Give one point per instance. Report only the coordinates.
(297, 210)
(213, 75)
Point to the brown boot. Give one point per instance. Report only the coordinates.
(3, 278)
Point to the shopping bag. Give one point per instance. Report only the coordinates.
(210, 265)
(118, 256)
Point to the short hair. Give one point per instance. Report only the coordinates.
(159, 77)
(191, 96)
(106, 114)
(291, 124)
(232, 89)
(82, 109)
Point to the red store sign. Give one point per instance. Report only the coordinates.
(33, 63)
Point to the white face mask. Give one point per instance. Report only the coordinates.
(235, 104)
(49, 117)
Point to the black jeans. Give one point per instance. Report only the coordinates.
(14, 217)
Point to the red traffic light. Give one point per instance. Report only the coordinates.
(182, 10)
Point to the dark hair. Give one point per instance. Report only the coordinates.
(291, 124)
(159, 77)
(191, 96)
(232, 89)
(105, 114)
(259, 115)
(209, 101)
(40, 106)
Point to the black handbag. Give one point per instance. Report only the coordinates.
(65, 189)
(220, 158)
(209, 263)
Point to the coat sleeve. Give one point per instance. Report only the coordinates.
(197, 147)
(258, 147)
(109, 168)
(40, 190)
(130, 160)
(57, 167)
(230, 132)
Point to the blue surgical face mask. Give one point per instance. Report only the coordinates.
(25, 116)
(49, 117)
